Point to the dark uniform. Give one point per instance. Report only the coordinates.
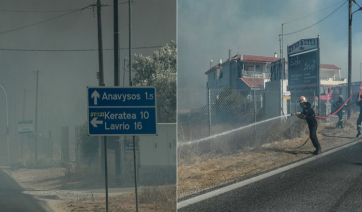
(337, 105)
(359, 120)
(312, 125)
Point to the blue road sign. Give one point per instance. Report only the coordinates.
(122, 111)
(121, 96)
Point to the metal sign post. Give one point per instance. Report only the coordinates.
(122, 111)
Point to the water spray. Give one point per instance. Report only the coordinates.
(234, 130)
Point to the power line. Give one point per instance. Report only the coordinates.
(317, 22)
(55, 11)
(36, 11)
(45, 20)
(74, 50)
(313, 13)
(73, 11)
(356, 3)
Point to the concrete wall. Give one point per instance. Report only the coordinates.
(273, 99)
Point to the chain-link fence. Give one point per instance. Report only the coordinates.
(203, 113)
(213, 120)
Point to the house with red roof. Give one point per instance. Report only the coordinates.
(250, 72)
(245, 72)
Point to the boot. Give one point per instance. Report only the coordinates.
(358, 134)
(317, 152)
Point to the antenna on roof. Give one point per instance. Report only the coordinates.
(211, 63)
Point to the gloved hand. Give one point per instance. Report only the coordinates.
(297, 113)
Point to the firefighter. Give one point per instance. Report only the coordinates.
(359, 120)
(337, 105)
(309, 116)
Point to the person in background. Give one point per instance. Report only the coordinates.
(309, 116)
(359, 120)
(337, 105)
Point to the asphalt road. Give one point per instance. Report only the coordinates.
(12, 199)
(328, 182)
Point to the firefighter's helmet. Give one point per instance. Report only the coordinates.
(302, 99)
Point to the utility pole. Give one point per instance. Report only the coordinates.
(117, 150)
(7, 122)
(124, 69)
(23, 118)
(130, 84)
(101, 83)
(349, 53)
(350, 14)
(100, 45)
(116, 43)
(130, 42)
(36, 118)
(281, 52)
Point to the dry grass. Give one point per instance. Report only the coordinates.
(151, 199)
(198, 172)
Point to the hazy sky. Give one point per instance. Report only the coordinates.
(208, 28)
(64, 75)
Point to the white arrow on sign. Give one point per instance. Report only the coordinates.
(95, 96)
(94, 122)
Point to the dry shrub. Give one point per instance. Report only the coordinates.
(163, 197)
(81, 172)
(190, 154)
(187, 153)
(288, 129)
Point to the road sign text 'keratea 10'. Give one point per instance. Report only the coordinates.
(122, 111)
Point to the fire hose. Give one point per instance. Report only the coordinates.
(344, 105)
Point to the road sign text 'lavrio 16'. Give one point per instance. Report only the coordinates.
(121, 111)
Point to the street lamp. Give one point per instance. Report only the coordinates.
(7, 121)
(350, 50)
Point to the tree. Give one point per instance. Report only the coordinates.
(232, 107)
(159, 70)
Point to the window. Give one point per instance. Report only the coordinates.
(220, 73)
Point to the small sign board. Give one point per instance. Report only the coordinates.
(25, 127)
(121, 111)
(303, 45)
(128, 146)
(286, 95)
